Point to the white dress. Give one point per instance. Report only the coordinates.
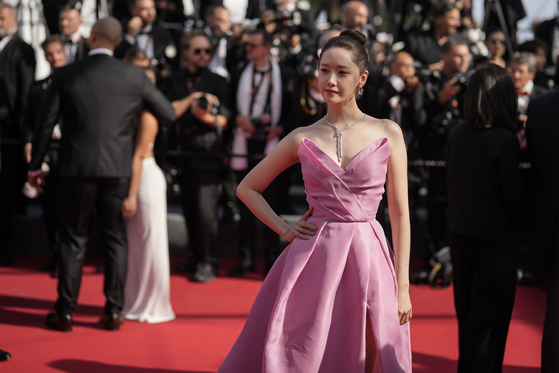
(147, 289)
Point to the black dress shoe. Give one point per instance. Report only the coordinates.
(113, 321)
(244, 266)
(59, 322)
(205, 272)
(5, 355)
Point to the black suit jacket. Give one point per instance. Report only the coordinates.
(162, 39)
(542, 133)
(17, 72)
(82, 50)
(99, 100)
(485, 199)
(545, 32)
(37, 97)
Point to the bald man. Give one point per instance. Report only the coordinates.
(98, 99)
(356, 16)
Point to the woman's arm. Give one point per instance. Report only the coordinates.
(397, 194)
(147, 130)
(251, 187)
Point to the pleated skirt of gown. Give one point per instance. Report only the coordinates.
(147, 289)
(310, 313)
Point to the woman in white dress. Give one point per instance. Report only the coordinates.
(147, 289)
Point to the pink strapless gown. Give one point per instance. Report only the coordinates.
(310, 313)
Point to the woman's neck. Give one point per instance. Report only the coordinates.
(343, 115)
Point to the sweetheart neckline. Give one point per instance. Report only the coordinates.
(354, 157)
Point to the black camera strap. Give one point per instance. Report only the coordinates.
(256, 87)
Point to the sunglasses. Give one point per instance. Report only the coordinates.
(200, 50)
(497, 41)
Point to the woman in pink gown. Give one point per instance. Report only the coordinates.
(337, 299)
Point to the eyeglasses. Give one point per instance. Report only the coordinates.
(497, 41)
(200, 50)
(252, 45)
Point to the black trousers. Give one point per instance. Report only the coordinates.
(199, 198)
(48, 203)
(12, 178)
(76, 199)
(484, 275)
(550, 339)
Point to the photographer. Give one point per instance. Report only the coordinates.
(264, 114)
(399, 97)
(444, 103)
(199, 131)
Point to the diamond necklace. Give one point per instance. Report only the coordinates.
(339, 134)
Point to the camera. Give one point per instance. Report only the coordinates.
(260, 134)
(463, 78)
(202, 102)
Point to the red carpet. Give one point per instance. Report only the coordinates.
(209, 318)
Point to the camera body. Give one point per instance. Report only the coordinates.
(202, 102)
(260, 134)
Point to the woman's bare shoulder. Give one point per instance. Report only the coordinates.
(297, 135)
(385, 128)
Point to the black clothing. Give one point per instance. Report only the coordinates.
(423, 47)
(546, 32)
(543, 136)
(485, 210)
(99, 119)
(99, 100)
(201, 170)
(255, 8)
(37, 97)
(17, 72)
(191, 134)
(376, 102)
(82, 50)
(484, 186)
(484, 284)
(513, 11)
(165, 53)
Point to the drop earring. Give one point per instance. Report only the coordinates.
(360, 91)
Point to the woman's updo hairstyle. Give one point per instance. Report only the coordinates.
(354, 42)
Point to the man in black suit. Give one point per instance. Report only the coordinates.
(75, 46)
(264, 115)
(53, 46)
(200, 131)
(155, 42)
(17, 72)
(547, 31)
(543, 136)
(99, 100)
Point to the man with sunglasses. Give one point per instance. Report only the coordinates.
(199, 133)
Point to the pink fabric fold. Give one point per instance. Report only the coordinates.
(310, 313)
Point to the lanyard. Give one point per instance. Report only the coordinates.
(256, 88)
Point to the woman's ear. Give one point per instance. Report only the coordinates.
(363, 78)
